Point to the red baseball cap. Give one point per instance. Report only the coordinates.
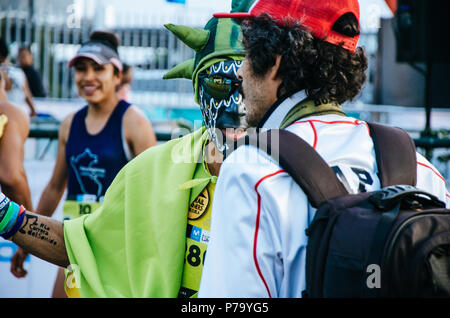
(318, 15)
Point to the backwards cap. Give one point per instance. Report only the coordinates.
(318, 15)
(220, 39)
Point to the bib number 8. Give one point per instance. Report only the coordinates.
(194, 256)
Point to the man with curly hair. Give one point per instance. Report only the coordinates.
(302, 62)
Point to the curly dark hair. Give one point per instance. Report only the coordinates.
(327, 72)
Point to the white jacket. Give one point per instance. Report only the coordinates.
(258, 241)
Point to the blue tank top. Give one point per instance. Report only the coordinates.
(94, 160)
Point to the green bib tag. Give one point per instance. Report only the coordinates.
(74, 209)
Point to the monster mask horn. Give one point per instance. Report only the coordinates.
(194, 38)
(220, 39)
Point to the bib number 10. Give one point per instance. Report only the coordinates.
(84, 209)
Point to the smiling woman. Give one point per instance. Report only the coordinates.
(94, 81)
(95, 142)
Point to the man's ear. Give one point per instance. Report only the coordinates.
(273, 71)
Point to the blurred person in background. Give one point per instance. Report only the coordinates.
(16, 83)
(95, 142)
(141, 241)
(25, 59)
(124, 89)
(14, 129)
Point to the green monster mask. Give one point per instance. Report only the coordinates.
(220, 41)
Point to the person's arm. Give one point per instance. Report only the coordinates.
(49, 200)
(13, 179)
(3, 79)
(35, 83)
(29, 98)
(430, 180)
(138, 130)
(43, 237)
(55, 188)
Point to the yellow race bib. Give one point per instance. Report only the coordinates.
(197, 239)
(74, 209)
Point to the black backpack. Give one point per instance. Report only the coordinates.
(394, 242)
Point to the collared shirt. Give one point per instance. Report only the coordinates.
(278, 111)
(259, 217)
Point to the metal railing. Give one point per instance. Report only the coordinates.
(48, 130)
(150, 50)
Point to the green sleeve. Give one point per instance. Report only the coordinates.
(133, 245)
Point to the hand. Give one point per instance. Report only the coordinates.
(17, 263)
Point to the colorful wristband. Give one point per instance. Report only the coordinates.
(3, 200)
(21, 209)
(16, 226)
(6, 218)
(13, 218)
(4, 203)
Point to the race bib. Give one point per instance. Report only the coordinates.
(197, 239)
(84, 204)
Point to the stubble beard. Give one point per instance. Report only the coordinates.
(252, 119)
(256, 111)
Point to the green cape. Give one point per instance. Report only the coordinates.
(134, 244)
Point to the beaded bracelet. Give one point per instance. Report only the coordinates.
(16, 225)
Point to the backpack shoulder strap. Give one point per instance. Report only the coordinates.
(394, 150)
(302, 162)
(395, 154)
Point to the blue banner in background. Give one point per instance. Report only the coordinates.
(177, 1)
(7, 250)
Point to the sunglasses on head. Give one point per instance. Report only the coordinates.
(217, 86)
